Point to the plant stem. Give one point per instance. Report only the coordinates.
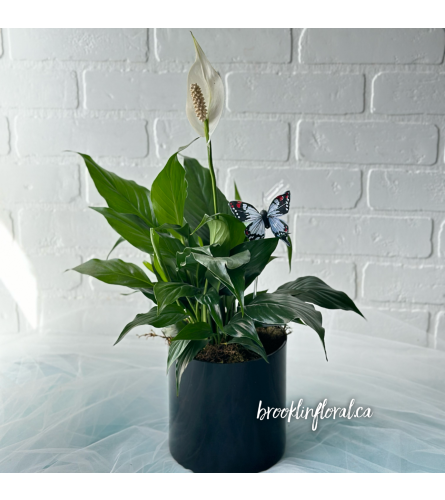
(210, 160)
(193, 310)
(204, 309)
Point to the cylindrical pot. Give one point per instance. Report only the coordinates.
(213, 422)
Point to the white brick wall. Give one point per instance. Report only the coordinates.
(23, 88)
(372, 46)
(78, 44)
(367, 143)
(101, 137)
(352, 121)
(4, 136)
(319, 93)
(247, 140)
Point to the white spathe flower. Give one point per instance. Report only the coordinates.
(205, 93)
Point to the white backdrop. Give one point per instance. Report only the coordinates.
(351, 121)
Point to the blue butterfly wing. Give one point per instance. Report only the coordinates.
(278, 207)
(246, 212)
(256, 230)
(279, 228)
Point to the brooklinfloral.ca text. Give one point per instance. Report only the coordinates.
(321, 412)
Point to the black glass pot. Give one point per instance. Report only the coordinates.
(213, 421)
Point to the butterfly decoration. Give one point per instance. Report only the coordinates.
(260, 221)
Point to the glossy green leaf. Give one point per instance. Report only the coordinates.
(149, 266)
(187, 355)
(248, 298)
(186, 258)
(168, 248)
(251, 345)
(211, 300)
(260, 253)
(199, 201)
(205, 219)
(194, 331)
(289, 253)
(237, 195)
(167, 293)
(281, 308)
(122, 195)
(218, 230)
(150, 295)
(219, 235)
(218, 267)
(168, 193)
(157, 257)
(171, 315)
(236, 230)
(239, 284)
(175, 349)
(118, 242)
(181, 233)
(314, 290)
(115, 272)
(130, 227)
(216, 284)
(242, 326)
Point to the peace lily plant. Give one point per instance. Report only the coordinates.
(199, 260)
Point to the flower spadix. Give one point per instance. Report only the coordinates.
(205, 93)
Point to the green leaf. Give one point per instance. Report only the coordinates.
(160, 274)
(181, 233)
(211, 300)
(248, 298)
(236, 228)
(175, 350)
(216, 284)
(206, 218)
(314, 290)
(167, 293)
(118, 242)
(157, 258)
(123, 196)
(242, 326)
(168, 193)
(260, 252)
(239, 284)
(115, 272)
(189, 144)
(130, 227)
(237, 195)
(281, 308)
(194, 331)
(289, 252)
(185, 258)
(171, 315)
(251, 345)
(150, 295)
(188, 354)
(149, 266)
(199, 201)
(218, 267)
(219, 235)
(168, 248)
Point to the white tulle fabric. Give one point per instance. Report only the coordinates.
(76, 404)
